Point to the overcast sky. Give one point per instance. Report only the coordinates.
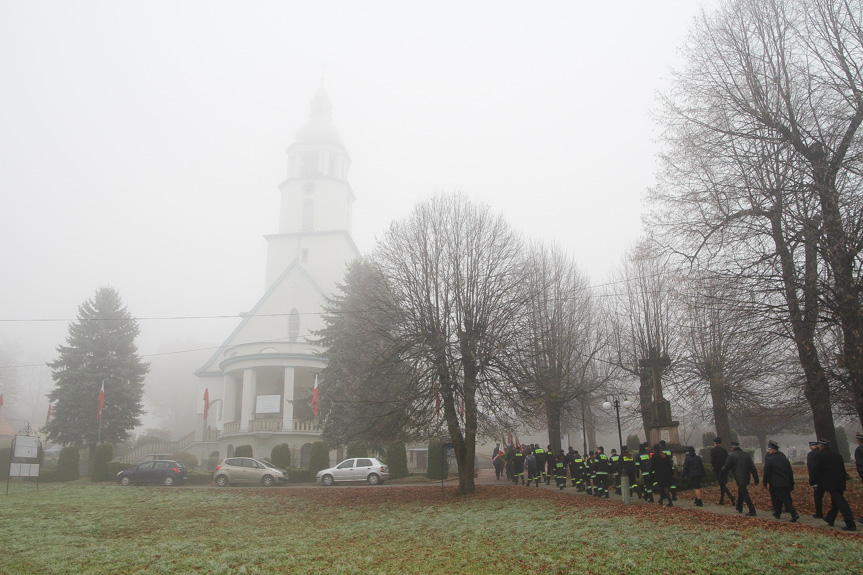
(141, 143)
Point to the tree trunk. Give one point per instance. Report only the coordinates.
(720, 405)
(553, 415)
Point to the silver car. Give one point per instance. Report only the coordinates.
(355, 469)
(235, 470)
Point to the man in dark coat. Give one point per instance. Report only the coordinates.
(661, 469)
(779, 478)
(817, 490)
(718, 456)
(830, 475)
(740, 465)
(858, 455)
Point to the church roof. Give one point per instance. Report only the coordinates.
(320, 129)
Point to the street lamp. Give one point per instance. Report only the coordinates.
(610, 401)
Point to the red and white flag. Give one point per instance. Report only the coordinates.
(206, 402)
(101, 401)
(48, 419)
(315, 397)
(1, 400)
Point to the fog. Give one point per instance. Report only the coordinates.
(141, 144)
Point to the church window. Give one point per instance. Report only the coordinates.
(308, 215)
(310, 164)
(294, 325)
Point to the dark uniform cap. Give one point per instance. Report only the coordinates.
(735, 444)
(824, 442)
(717, 440)
(860, 435)
(772, 445)
(813, 443)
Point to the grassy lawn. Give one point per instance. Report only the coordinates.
(104, 528)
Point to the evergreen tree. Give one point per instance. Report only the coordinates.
(100, 350)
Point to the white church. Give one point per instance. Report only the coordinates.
(260, 381)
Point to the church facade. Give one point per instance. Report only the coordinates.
(260, 382)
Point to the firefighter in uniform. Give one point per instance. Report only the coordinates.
(560, 471)
(576, 471)
(518, 466)
(614, 462)
(602, 470)
(643, 464)
(673, 487)
(540, 455)
(627, 467)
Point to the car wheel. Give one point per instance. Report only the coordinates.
(125, 480)
(222, 480)
(374, 479)
(268, 480)
(169, 481)
(327, 480)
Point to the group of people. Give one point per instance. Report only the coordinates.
(651, 474)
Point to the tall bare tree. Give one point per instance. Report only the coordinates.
(444, 310)
(562, 339)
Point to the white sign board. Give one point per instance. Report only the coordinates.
(26, 446)
(665, 435)
(268, 404)
(24, 470)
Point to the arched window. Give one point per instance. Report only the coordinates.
(294, 325)
(308, 215)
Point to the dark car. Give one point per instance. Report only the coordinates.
(161, 471)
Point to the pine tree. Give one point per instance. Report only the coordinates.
(100, 351)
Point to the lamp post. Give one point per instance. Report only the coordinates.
(612, 401)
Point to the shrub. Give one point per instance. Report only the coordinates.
(397, 460)
(707, 439)
(632, 443)
(112, 468)
(199, 478)
(319, 456)
(5, 458)
(281, 456)
(67, 464)
(186, 458)
(356, 449)
(104, 454)
(436, 468)
(300, 475)
(243, 451)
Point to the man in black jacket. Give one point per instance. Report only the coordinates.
(718, 456)
(740, 464)
(830, 475)
(817, 490)
(779, 478)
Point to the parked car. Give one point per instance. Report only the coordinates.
(356, 469)
(163, 471)
(235, 470)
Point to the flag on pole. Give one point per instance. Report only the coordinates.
(315, 397)
(48, 419)
(101, 401)
(206, 402)
(1, 400)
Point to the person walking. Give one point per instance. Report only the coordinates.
(576, 470)
(643, 464)
(518, 466)
(627, 468)
(602, 468)
(740, 464)
(779, 479)
(718, 456)
(560, 471)
(830, 475)
(817, 490)
(693, 468)
(540, 455)
(497, 461)
(661, 469)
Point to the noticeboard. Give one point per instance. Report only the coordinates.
(26, 447)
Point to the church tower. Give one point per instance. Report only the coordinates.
(260, 381)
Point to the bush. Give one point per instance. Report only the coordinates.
(437, 469)
(356, 449)
(104, 454)
(300, 475)
(243, 451)
(199, 478)
(319, 457)
(632, 443)
(186, 458)
(397, 460)
(281, 456)
(67, 464)
(5, 458)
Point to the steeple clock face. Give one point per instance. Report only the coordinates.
(309, 188)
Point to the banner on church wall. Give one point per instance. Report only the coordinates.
(268, 404)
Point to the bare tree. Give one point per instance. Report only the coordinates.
(444, 311)
(562, 339)
(760, 128)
